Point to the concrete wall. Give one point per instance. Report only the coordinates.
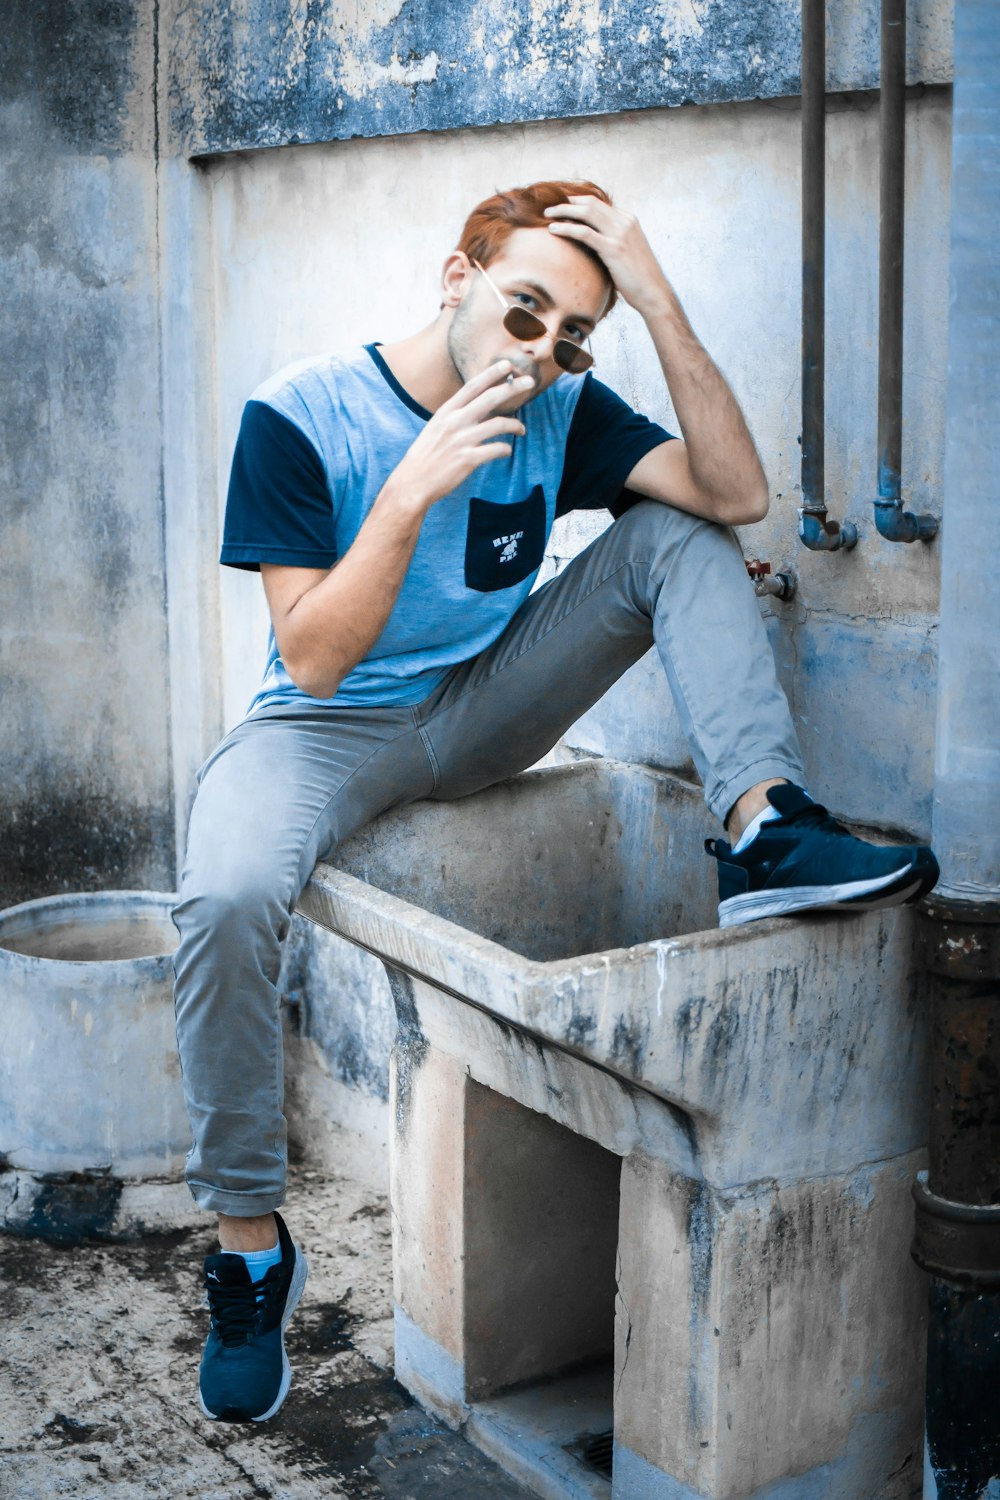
(83, 662)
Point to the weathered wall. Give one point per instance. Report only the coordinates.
(266, 73)
(301, 242)
(83, 681)
(146, 296)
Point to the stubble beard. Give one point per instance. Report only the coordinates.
(463, 358)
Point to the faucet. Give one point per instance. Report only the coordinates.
(780, 585)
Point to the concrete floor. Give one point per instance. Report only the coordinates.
(99, 1359)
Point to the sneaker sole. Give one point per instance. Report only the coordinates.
(295, 1291)
(888, 890)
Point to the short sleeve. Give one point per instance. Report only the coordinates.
(606, 440)
(278, 509)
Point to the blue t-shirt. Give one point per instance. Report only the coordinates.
(316, 445)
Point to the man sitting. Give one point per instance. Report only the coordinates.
(397, 501)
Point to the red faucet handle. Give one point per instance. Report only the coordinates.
(756, 568)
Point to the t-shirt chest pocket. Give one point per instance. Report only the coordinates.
(504, 543)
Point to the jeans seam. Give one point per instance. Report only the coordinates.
(428, 751)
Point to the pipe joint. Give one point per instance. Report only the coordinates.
(956, 1242)
(899, 525)
(820, 534)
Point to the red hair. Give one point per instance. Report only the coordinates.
(492, 222)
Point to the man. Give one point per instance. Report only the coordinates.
(397, 502)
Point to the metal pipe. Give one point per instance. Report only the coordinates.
(895, 524)
(957, 1229)
(958, 1203)
(817, 530)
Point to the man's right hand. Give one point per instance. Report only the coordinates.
(460, 437)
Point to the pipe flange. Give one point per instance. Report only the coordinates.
(956, 1242)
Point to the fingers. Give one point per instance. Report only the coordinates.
(490, 452)
(480, 406)
(497, 425)
(485, 381)
(583, 232)
(577, 208)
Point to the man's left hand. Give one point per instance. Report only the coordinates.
(618, 239)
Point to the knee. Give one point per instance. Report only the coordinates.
(240, 908)
(667, 537)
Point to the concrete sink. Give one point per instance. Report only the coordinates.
(650, 1180)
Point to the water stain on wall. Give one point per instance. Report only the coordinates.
(68, 832)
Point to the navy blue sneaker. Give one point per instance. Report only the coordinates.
(245, 1372)
(805, 860)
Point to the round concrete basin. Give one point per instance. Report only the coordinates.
(89, 1076)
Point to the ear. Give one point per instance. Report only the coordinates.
(455, 278)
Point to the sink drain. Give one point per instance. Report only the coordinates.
(596, 1450)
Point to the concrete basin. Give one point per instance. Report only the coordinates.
(90, 1091)
(649, 1179)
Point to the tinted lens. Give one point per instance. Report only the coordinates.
(569, 356)
(523, 324)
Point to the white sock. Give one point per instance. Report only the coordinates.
(752, 829)
(259, 1262)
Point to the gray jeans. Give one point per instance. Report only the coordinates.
(286, 786)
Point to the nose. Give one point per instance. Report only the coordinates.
(540, 347)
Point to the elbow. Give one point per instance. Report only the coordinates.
(311, 678)
(755, 508)
(752, 506)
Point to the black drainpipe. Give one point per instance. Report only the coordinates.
(957, 1231)
(892, 521)
(817, 530)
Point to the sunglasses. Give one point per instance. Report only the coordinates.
(524, 325)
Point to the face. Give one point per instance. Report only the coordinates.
(536, 270)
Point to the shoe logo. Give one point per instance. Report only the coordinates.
(509, 545)
(213, 1275)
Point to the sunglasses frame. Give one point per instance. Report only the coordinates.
(533, 328)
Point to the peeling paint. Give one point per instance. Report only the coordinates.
(383, 69)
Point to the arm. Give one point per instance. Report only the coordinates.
(715, 472)
(326, 620)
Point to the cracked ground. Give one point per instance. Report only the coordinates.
(99, 1366)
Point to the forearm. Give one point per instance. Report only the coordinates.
(723, 458)
(326, 622)
(335, 624)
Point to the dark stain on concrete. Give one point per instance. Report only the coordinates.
(69, 1209)
(61, 832)
(333, 1017)
(67, 1431)
(700, 1231)
(581, 1029)
(411, 1044)
(629, 1045)
(356, 1067)
(75, 60)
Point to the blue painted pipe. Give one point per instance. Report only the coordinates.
(820, 534)
(892, 521)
